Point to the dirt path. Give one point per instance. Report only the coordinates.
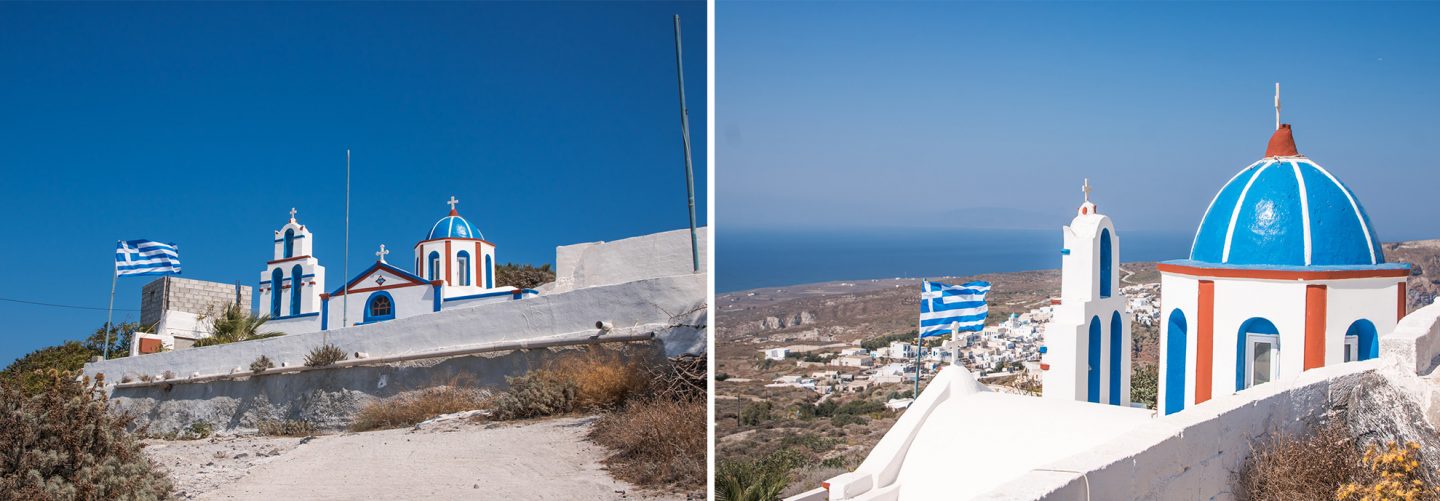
(548, 459)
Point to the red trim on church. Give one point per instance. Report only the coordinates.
(422, 242)
(286, 259)
(1205, 341)
(1400, 301)
(1315, 302)
(1196, 271)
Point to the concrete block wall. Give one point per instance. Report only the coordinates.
(1415, 342)
(190, 296)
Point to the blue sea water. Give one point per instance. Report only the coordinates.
(749, 259)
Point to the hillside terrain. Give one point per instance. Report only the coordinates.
(781, 424)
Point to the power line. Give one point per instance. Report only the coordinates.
(37, 303)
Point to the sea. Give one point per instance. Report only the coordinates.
(753, 258)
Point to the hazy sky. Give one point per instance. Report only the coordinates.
(989, 114)
(204, 123)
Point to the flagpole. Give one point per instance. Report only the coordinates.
(918, 339)
(685, 131)
(345, 268)
(110, 314)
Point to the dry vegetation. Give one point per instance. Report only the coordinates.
(65, 443)
(1328, 464)
(415, 407)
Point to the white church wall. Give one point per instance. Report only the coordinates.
(1350, 300)
(1181, 292)
(1280, 302)
(602, 263)
(653, 301)
(405, 302)
(293, 325)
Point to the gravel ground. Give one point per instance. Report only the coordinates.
(444, 459)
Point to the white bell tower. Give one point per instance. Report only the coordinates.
(292, 281)
(1086, 356)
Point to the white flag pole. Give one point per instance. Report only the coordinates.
(110, 314)
(918, 342)
(345, 300)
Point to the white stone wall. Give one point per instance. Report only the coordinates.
(603, 263)
(663, 300)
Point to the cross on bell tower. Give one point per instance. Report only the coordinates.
(381, 253)
(292, 214)
(1086, 188)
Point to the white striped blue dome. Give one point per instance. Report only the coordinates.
(1286, 211)
(453, 226)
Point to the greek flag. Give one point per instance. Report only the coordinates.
(146, 257)
(949, 308)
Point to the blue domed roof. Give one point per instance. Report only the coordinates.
(453, 226)
(1286, 211)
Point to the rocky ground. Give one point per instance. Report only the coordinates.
(442, 459)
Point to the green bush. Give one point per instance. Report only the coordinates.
(65, 443)
(236, 324)
(1144, 384)
(285, 428)
(536, 394)
(325, 354)
(762, 479)
(840, 420)
(755, 413)
(29, 373)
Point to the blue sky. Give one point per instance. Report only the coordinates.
(947, 115)
(203, 124)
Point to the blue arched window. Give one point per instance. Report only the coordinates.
(1367, 343)
(290, 243)
(463, 260)
(434, 266)
(1105, 262)
(379, 307)
(297, 282)
(1175, 362)
(276, 278)
(1092, 357)
(1116, 344)
(489, 273)
(1257, 353)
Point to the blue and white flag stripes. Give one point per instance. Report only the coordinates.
(948, 308)
(146, 257)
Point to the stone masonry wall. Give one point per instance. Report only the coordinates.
(192, 296)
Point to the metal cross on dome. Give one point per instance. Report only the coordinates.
(381, 254)
(452, 202)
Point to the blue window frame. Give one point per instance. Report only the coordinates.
(1252, 331)
(489, 273)
(1367, 342)
(1116, 343)
(296, 283)
(434, 266)
(290, 243)
(276, 278)
(463, 260)
(1092, 358)
(1175, 362)
(379, 307)
(1105, 262)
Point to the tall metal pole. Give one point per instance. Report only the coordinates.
(110, 315)
(345, 268)
(685, 131)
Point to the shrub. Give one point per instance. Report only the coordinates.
(536, 394)
(285, 428)
(1390, 473)
(324, 355)
(755, 413)
(840, 420)
(29, 373)
(65, 443)
(1144, 384)
(199, 430)
(523, 277)
(414, 407)
(261, 364)
(761, 479)
(1287, 467)
(603, 379)
(656, 442)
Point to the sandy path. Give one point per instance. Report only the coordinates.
(548, 459)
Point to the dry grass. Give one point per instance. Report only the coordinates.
(1286, 467)
(603, 378)
(415, 407)
(656, 443)
(285, 428)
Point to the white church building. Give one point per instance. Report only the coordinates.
(1285, 275)
(454, 267)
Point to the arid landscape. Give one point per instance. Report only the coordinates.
(763, 429)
